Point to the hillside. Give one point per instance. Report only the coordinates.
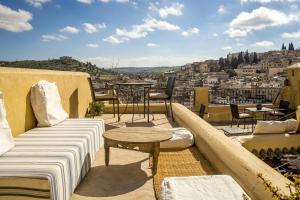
(138, 70)
(62, 64)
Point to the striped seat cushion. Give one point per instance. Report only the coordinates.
(62, 154)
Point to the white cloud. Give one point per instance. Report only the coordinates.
(258, 19)
(152, 45)
(227, 48)
(221, 9)
(175, 9)
(264, 44)
(69, 29)
(140, 30)
(118, 1)
(93, 28)
(49, 38)
(190, 31)
(37, 3)
(215, 34)
(86, 1)
(239, 44)
(145, 61)
(267, 1)
(114, 40)
(293, 35)
(92, 45)
(14, 21)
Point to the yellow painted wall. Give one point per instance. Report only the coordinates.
(229, 157)
(154, 108)
(222, 113)
(294, 81)
(15, 84)
(298, 113)
(201, 97)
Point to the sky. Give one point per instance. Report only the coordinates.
(144, 33)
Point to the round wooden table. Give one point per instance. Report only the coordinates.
(144, 139)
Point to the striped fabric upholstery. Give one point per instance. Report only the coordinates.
(62, 154)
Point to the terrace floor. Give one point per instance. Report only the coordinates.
(128, 175)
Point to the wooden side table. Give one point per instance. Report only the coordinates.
(143, 139)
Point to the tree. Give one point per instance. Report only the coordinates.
(222, 63)
(291, 47)
(246, 57)
(240, 58)
(234, 63)
(231, 72)
(227, 64)
(255, 59)
(283, 47)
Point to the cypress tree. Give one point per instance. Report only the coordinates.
(255, 59)
(246, 57)
(240, 58)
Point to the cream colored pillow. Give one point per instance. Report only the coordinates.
(270, 127)
(181, 138)
(46, 104)
(6, 139)
(291, 125)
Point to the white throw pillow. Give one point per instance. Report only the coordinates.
(6, 139)
(270, 127)
(182, 138)
(291, 125)
(46, 104)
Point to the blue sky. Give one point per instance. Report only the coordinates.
(144, 32)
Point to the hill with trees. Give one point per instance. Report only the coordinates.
(64, 63)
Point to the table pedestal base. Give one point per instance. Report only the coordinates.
(151, 148)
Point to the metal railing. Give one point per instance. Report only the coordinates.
(242, 95)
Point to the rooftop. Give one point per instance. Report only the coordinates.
(128, 175)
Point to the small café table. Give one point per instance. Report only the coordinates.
(146, 86)
(143, 139)
(263, 110)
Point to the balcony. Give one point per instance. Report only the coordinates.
(129, 175)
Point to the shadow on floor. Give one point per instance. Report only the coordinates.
(109, 127)
(139, 124)
(113, 180)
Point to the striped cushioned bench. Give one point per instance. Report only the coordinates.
(61, 154)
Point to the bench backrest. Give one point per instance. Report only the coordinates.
(15, 83)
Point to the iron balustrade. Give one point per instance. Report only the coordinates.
(242, 95)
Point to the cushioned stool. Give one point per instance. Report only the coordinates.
(182, 138)
(216, 187)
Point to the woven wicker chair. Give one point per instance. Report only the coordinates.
(105, 97)
(202, 111)
(239, 116)
(165, 95)
(281, 111)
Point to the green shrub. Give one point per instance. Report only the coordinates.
(95, 109)
(293, 187)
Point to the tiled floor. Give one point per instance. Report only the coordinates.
(128, 175)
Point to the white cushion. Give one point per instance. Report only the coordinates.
(217, 187)
(6, 139)
(270, 127)
(46, 104)
(244, 115)
(276, 127)
(182, 138)
(291, 125)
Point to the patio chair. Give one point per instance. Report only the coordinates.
(165, 95)
(97, 96)
(282, 109)
(202, 111)
(235, 113)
